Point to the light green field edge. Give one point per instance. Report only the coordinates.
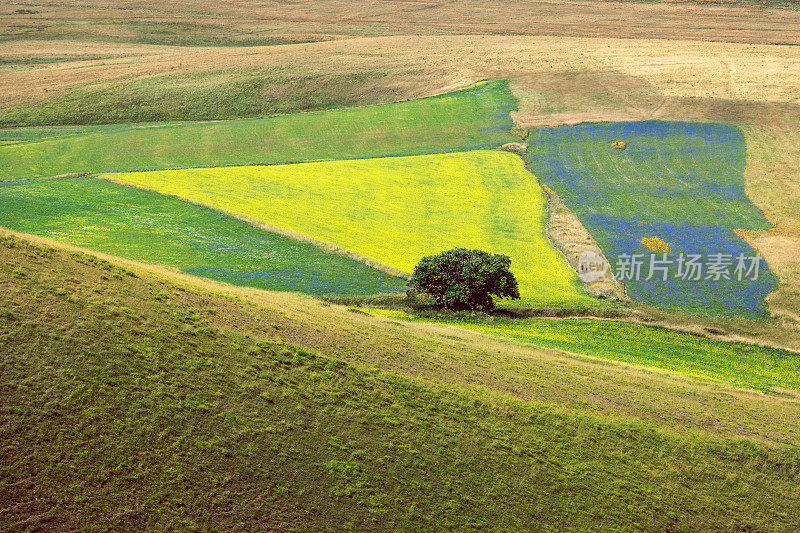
(471, 118)
(756, 367)
(396, 210)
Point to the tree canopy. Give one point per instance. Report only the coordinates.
(462, 279)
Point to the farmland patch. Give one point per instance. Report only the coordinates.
(152, 228)
(396, 210)
(740, 364)
(757, 367)
(673, 193)
(472, 118)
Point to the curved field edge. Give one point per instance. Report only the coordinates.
(396, 210)
(154, 228)
(121, 415)
(680, 184)
(468, 119)
(762, 368)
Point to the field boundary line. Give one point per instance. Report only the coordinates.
(557, 246)
(325, 246)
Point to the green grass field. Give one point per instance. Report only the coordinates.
(762, 368)
(161, 230)
(396, 210)
(125, 410)
(472, 118)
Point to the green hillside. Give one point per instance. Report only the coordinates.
(757, 367)
(138, 402)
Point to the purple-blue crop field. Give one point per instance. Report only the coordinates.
(677, 184)
(707, 269)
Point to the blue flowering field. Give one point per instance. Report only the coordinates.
(670, 198)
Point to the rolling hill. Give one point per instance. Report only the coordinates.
(176, 175)
(137, 399)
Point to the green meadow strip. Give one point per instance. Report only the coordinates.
(149, 227)
(756, 367)
(472, 118)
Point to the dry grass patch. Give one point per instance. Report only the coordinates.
(239, 22)
(676, 68)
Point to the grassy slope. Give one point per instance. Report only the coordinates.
(456, 356)
(413, 66)
(396, 210)
(210, 95)
(137, 411)
(476, 117)
(772, 174)
(157, 229)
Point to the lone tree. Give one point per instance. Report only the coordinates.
(465, 279)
